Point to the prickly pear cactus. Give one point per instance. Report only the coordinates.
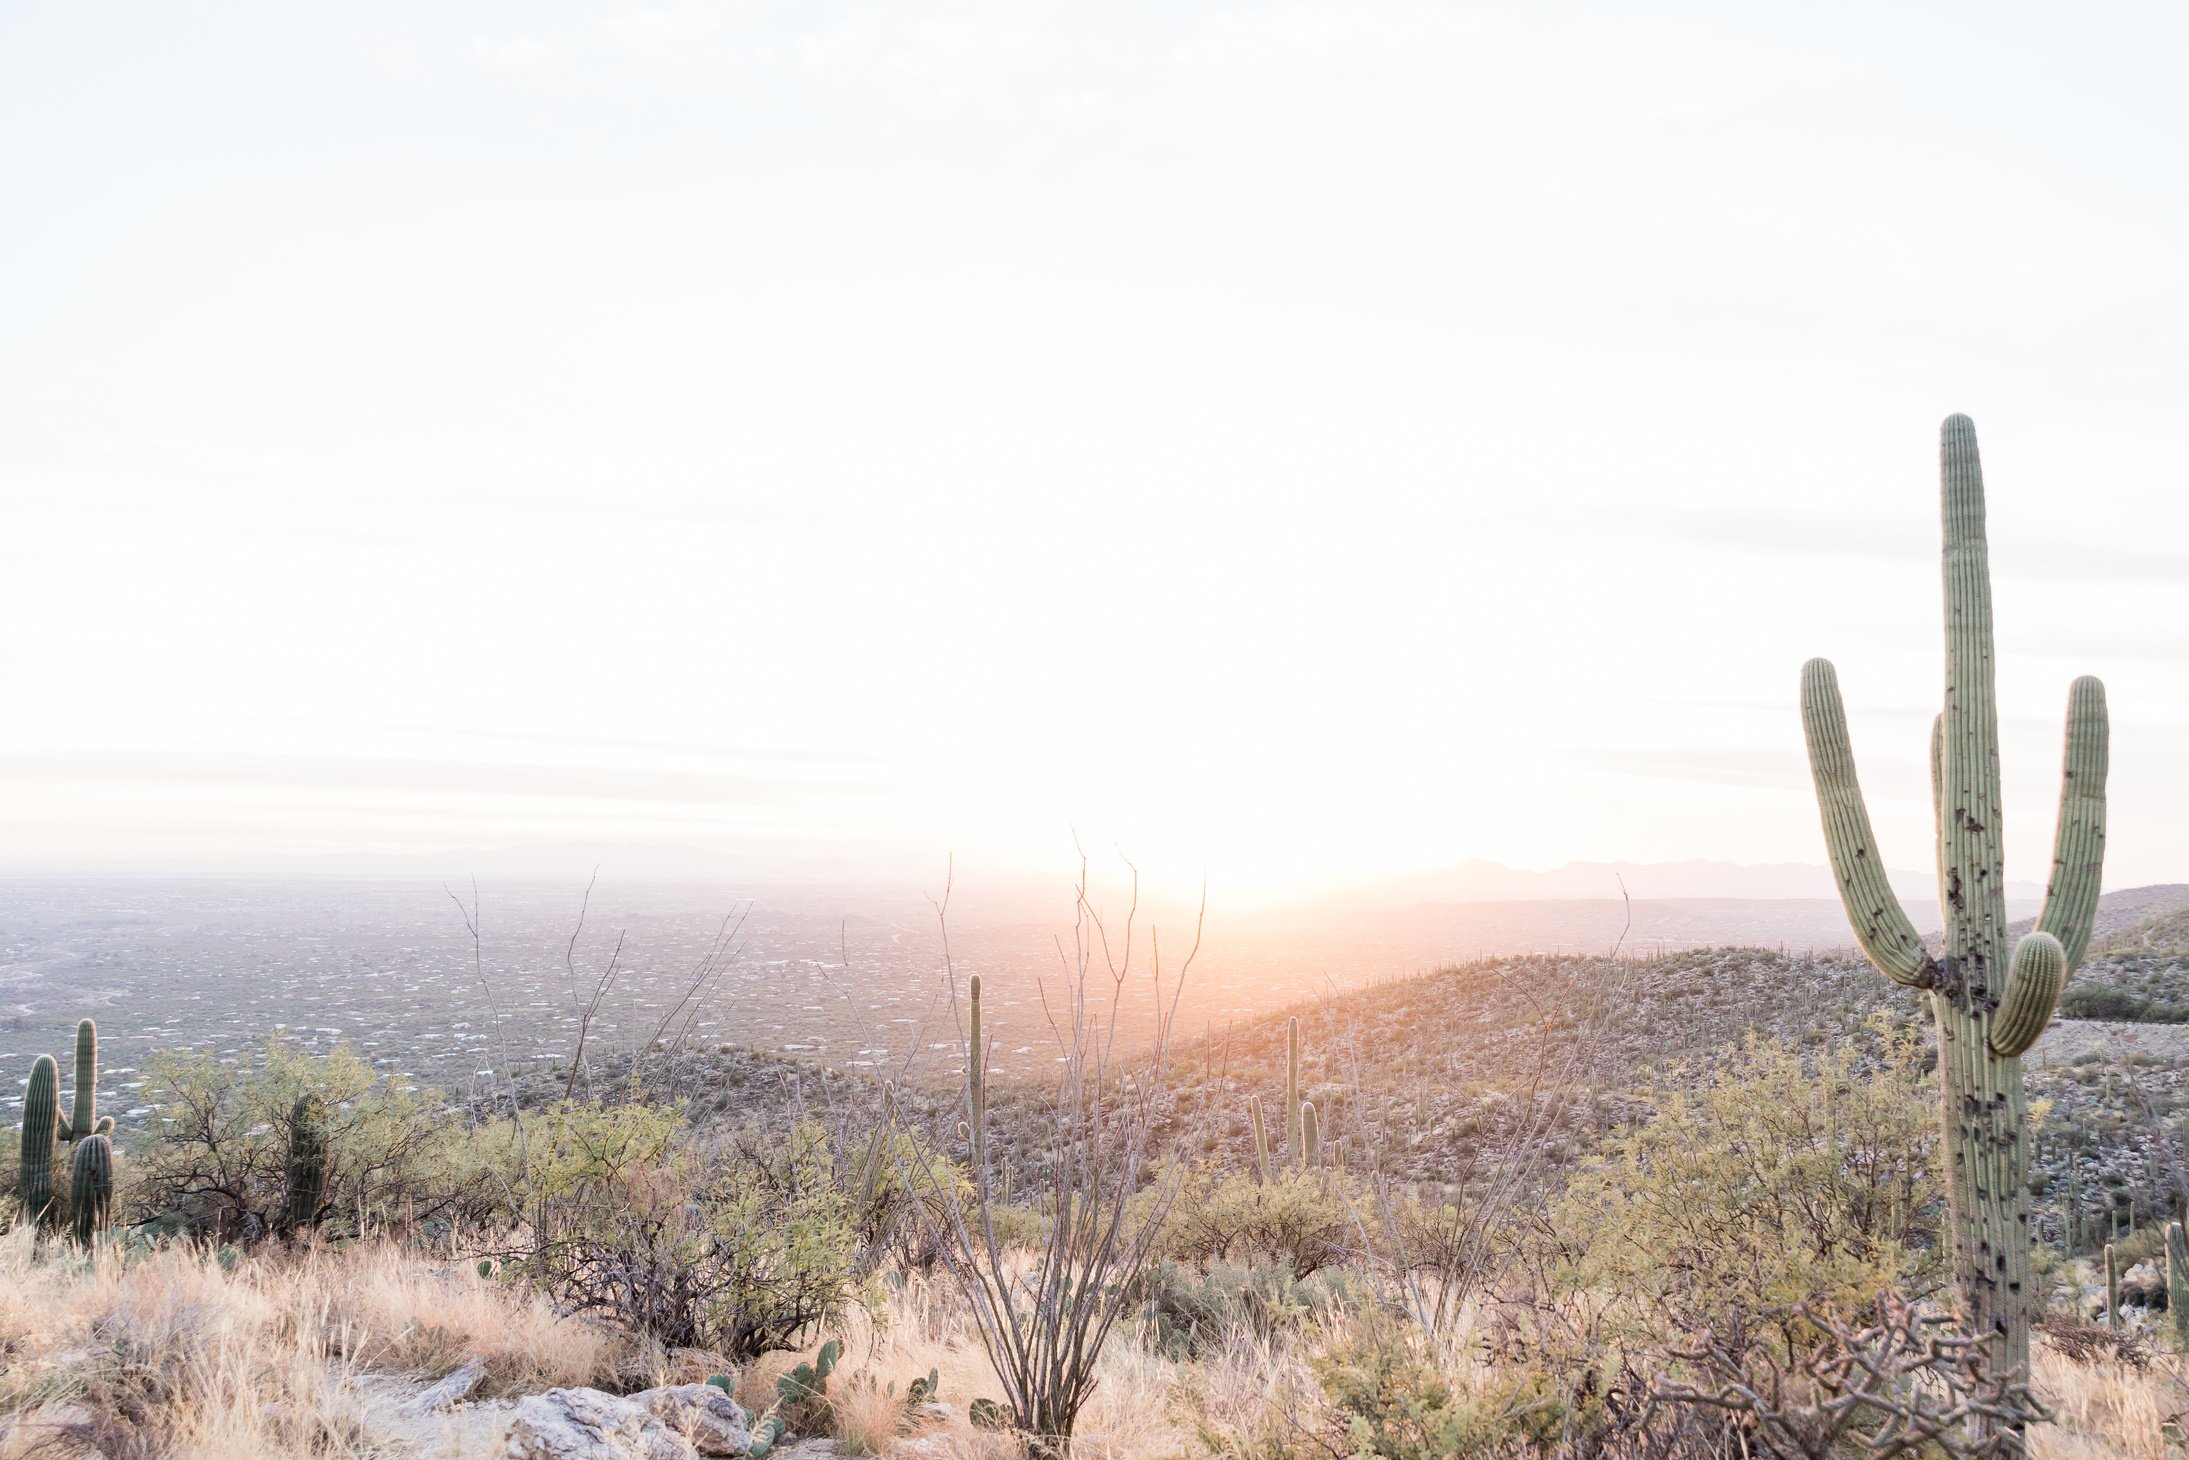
(307, 1165)
(34, 1166)
(1989, 1007)
(91, 1190)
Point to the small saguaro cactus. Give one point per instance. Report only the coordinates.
(1261, 1137)
(34, 1166)
(2112, 1287)
(1989, 1008)
(1310, 1143)
(1292, 1089)
(2177, 1281)
(976, 1086)
(307, 1167)
(91, 1189)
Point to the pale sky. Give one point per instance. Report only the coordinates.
(1291, 441)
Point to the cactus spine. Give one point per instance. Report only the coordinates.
(1989, 1008)
(2177, 1281)
(2112, 1287)
(91, 1189)
(307, 1162)
(1261, 1137)
(41, 1117)
(1292, 1089)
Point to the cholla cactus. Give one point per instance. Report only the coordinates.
(34, 1166)
(1989, 1008)
(91, 1190)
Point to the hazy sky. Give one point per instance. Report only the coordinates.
(1295, 440)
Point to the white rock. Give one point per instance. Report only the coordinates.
(447, 1391)
(585, 1424)
(701, 1413)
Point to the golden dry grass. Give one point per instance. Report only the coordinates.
(174, 1354)
(2108, 1411)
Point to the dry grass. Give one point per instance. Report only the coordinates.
(2108, 1410)
(173, 1354)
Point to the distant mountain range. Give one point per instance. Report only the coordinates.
(1479, 881)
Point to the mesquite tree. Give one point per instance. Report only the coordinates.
(1989, 1008)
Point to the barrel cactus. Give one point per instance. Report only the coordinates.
(1989, 1007)
(307, 1165)
(34, 1164)
(91, 1189)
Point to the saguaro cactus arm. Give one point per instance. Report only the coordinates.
(2035, 977)
(83, 1119)
(2078, 841)
(1880, 923)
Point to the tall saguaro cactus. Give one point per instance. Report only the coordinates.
(1989, 1007)
(976, 1076)
(34, 1165)
(83, 1120)
(1292, 1089)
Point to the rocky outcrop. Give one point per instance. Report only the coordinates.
(585, 1424)
(703, 1416)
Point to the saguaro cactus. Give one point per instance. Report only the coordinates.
(41, 1116)
(2112, 1287)
(2177, 1281)
(91, 1189)
(83, 1118)
(1989, 1008)
(1292, 1089)
(307, 1170)
(1261, 1137)
(1310, 1143)
(977, 1084)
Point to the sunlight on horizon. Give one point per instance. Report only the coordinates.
(1289, 443)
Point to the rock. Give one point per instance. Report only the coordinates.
(710, 1420)
(2142, 1286)
(448, 1391)
(818, 1448)
(585, 1424)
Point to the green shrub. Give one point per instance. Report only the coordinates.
(719, 1246)
(1183, 1309)
(215, 1165)
(1397, 1402)
(1302, 1219)
(1777, 1185)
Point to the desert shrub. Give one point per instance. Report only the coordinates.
(2111, 1001)
(722, 1246)
(1302, 1219)
(1398, 1401)
(1778, 1185)
(216, 1162)
(1184, 1308)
